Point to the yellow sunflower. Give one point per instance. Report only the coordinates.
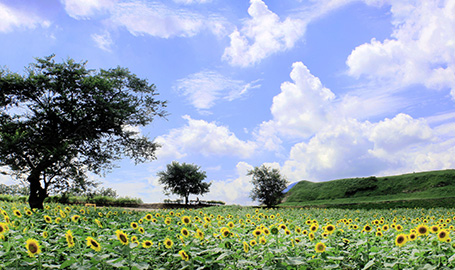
(320, 247)
(246, 248)
(147, 244)
(122, 237)
(401, 239)
(184, 256)
(92, 243)
(134, 225)
(422, 230)
(69, 238)
(33, 247)
(443, 235)
(185, 232)
(168, 243)
(186, 220)
(17, 213)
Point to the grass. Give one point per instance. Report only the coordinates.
(433, 187)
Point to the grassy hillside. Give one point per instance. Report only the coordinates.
(407, 187)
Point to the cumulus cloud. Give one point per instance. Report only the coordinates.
(233, 191)
(204, 88)
(262, 35)
(202, 137)
(12, 18)
(421, 49)
(302, 108)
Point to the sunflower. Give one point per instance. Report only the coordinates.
(379, 234)
(282, 226)
(253, 243)
(33, 247)
(246, 248)
(422, 230)
(367, 228)
(262, 240)
(257, 232)
(401, 239)
(141, 230)
(167, 220)
(28, 212)
(45, 234)
(266, 231)
(434, 229)
(320, 247)
(134, 225)
(98, 223)
(122, 237)
(311, 236)
(412, 236)
(184, 256)
(225, 232)
(199, 234)
(186, 220)
(298, 230)
(330, 228)
(385, 227)
(48, 219)
(93, 244)
(3, 227)
(148, 217)
(147, 244)
(398, 227)
(287, 232)
(17, 213)
(75, 218)
(230, 224)
(168, 243)
(443, 235)
(185, 232)
(69, 238)
(62, 214)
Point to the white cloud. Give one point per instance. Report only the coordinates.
(233, 191)
(86, 9)
(351, 148)
(201, 137)
(156, 19)
(103, 41)
(421, 49)
(189, 2)
(204, 88)
(12, 18)
(302, 108)
(262, 35)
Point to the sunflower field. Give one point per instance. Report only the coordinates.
(79, 237)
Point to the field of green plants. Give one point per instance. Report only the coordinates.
(79, 237)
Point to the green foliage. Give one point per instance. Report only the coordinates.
(183, 179)
(268, 185)
(61, 120)
(407, 187)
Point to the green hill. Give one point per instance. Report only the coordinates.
(433, 188)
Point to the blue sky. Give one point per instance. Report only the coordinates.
(321, 89)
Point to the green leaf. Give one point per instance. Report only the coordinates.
(67, 263)
(369, 264)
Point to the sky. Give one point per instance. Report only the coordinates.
(319, 89)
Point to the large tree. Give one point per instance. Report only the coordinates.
(183, 179)
(268, 185)
(62, 120)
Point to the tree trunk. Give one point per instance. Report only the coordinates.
(37, 193)
(186, 200)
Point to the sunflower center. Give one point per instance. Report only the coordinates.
(33, 248)
(123, 238)
(95, 244)
(400, 240)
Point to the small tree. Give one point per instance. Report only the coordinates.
(268, 185)
(183, 179)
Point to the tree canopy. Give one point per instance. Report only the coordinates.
(61, 120)
(183, 179)
(268, 185)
